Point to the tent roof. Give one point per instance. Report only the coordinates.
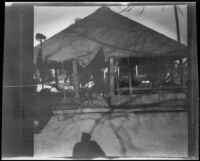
(118, 35)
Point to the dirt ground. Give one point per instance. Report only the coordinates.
(118, 133)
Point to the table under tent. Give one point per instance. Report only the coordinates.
(138, 65)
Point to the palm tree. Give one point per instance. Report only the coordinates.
(39, 62)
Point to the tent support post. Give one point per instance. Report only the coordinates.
(181, 71)
(117, 79)
(76, 84)
(112, 77)
(130, 79)
(56, 76)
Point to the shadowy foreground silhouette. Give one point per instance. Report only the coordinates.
(87, 148)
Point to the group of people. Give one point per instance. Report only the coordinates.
(93, 87)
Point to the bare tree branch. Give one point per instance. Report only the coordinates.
(129, 8)
(124, 9)
(180, 10)
(142, 11)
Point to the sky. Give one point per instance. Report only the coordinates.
(50, 20)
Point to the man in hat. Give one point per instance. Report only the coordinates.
(87, 148)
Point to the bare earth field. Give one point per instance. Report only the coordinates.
(161, 134)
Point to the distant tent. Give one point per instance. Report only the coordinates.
(111, 32)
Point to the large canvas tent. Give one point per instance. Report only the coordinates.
(112, 35)
(115, 34)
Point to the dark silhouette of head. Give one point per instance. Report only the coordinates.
(87, 148)
(85, 137)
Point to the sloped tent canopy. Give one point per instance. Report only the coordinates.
(115, 34)
(94, 68)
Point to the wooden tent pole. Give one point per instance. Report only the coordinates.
(112, 79)
(117, 80)
(179, 41)
(136, 70)
(130, 79)
(76, 84)
(64, 83)
(56, 76)
(181, 71)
